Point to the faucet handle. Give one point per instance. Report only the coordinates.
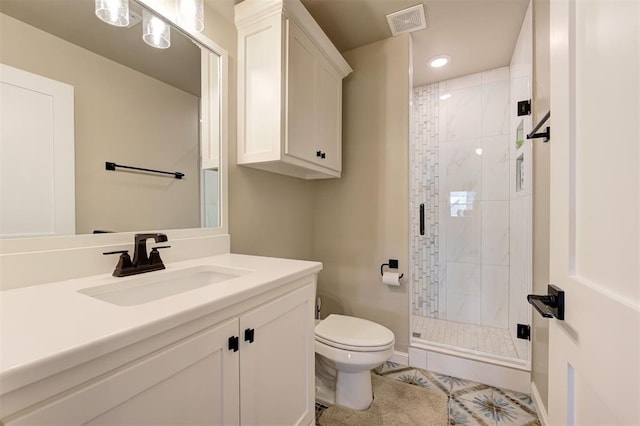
(123, 263)
(117, 252)
(154, 256)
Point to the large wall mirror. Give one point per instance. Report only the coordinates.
(132, 104)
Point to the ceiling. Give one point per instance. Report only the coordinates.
(478, 35)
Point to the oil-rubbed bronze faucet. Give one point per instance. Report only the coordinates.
(142, 262)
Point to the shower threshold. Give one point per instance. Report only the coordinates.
(467, 337)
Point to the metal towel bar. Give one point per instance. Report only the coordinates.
(112, 166)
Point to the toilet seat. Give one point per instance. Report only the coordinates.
(353, 334)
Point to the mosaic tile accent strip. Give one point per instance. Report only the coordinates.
(470, 403)
(491, 340)
(424, 180)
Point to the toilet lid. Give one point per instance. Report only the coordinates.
(345, 331)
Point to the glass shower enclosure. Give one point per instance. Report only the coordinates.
(471, 216)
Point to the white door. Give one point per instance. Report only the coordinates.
(594, 356)
(37, 165)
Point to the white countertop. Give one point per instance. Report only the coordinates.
(47, 328)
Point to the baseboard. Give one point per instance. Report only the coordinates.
(540, 408)
(401, 358)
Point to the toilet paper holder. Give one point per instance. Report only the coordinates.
(393, 264)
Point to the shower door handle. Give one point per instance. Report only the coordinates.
(422, 219)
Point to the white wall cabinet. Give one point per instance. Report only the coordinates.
(289, 91)
(254, 368)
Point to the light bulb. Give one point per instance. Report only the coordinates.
(439, 61)
(155, 32)
(113, 12)
(191, 14)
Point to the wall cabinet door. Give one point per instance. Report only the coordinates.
(194, 381)
(329, 115)
(314, 103)
(302, 57)
(277, 363)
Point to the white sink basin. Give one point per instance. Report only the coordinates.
(143, 288)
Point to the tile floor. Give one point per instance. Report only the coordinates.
(490, 340)
(470, 403)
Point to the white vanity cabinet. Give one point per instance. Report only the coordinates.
(289, 91)
(253, 368)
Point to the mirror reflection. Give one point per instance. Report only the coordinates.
(77, 93)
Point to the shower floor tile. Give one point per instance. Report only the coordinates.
(496, 341)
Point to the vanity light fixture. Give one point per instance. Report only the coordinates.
(191, 14)
(439, 61)
(113, 12)
(155, 32)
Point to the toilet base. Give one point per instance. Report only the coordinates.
(325, 396)
(356, 393)
(353, 390)
(325, 381)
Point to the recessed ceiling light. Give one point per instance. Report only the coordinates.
(439, 61)
(445, 96)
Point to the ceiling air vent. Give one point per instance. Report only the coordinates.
(407, 20)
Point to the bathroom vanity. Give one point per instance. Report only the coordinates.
(225, 339)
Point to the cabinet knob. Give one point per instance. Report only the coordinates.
(323, 155)
(248, 335)
(233, 343)
(318, 153)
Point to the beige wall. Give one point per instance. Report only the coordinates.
(121, 116)
(541, 95)
(361, 220)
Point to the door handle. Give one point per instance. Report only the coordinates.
(550, 305)
(422, 219)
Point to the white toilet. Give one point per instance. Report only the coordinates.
(347, 348)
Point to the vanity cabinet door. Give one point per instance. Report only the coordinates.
(194, 381)
(277, 379)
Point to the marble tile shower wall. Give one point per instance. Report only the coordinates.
(424, 174)
(469, 268)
